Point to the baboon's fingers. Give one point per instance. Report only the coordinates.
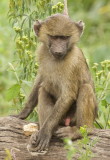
(43, 146)
(33, 139)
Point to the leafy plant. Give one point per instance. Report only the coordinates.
(101, 74)
(83, 150)
(8, 155)
(22, 15)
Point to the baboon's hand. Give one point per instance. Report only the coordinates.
(40, 141)
(31, 147)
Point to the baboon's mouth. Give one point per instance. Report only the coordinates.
(59, 56)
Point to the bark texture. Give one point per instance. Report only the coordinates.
(13, 139)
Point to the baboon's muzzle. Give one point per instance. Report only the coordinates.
(58, 49)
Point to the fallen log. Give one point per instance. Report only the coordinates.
(13, 139)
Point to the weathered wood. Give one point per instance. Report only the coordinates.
(13, 139)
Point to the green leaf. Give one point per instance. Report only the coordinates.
(13, 92)
(108, 99)
(104, 102)
(99, 89)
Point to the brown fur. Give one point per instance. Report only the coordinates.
(59, 24)
(65, 86)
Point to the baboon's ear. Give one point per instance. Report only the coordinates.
(37, 26)
(80, 25)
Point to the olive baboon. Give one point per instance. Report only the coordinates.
(63, 90)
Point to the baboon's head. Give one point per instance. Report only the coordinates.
(59, 33)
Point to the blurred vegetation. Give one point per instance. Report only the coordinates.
(18, 61)
(84, 149)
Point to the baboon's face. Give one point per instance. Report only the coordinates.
(58, 45)
(59, 33)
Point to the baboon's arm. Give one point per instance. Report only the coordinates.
(61, 107)
(32, 100)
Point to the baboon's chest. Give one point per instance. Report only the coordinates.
(57, 84)
(59, 78)
(53, 84)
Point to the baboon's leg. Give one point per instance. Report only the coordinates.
(85, 113)
(45, 106)
(86, 105)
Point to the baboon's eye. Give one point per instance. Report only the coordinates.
(64, 37)
(59, 37)
(53, 37)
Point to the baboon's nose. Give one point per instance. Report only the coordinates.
(58, 54)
